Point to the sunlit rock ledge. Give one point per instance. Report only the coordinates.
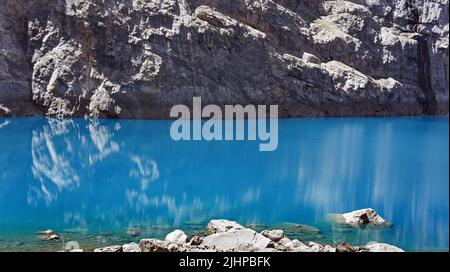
(229, 236)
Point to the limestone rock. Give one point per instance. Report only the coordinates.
(328, 248)
(155, 245)
(344, 247)
(136, 59)
(196, 240)
(364, 217)
(4, 111)
(177, 237)
(382, 247)
(218, 226)
(284, 241)
(131, 247)
(297, 246)
(315, 247)
(274, 235)
(237, 240)
(109, 249)
(53, 237)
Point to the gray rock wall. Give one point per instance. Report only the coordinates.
(136, 59)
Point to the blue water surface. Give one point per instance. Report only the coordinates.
(90, 181)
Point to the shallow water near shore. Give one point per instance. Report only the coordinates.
(91, 181)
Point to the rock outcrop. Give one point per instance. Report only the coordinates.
(363, 217)
(4, 111)
(136, 59)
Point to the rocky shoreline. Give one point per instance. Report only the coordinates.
(230, 236)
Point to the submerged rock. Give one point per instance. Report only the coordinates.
(53, 237)
(307, 229)
(47, 233)
(133, 231)
(218, 226)
(176, 237)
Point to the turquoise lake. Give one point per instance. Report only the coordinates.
(91, 181)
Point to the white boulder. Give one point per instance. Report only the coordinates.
(131, 247)
(382, 247)
(237, 240)
(361, 217)
(219, 226)
(109, 249)
(274, 235)
(177, 237)
(297, 246)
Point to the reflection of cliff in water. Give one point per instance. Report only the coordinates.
(62, 151)
(116, 174)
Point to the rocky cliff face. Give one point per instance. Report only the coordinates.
(138, 58)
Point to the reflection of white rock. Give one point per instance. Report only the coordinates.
(146, 171)
(50, 163)
(54, 150)
(252, 195)
(101, 138)
(4, 124)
